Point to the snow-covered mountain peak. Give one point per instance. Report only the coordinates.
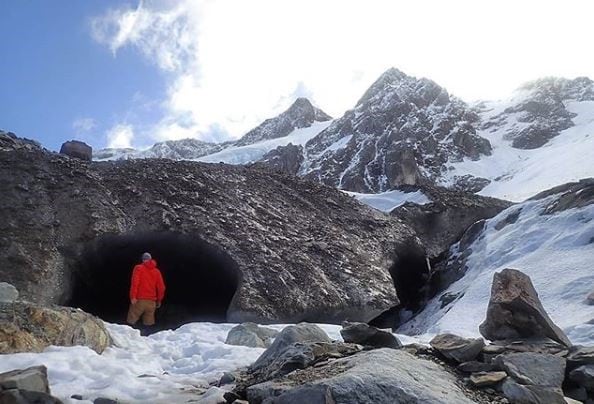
(301, 114)
(578, 89)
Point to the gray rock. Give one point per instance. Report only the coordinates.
(583, 355)
(33, 379)
(303, 332)
(227, 378)
(515, 311)
(590, 298)
(533, 368)
(29, 327)
(584, 376)
(457, 348)
(104, 400)
(377, 376)
(519, 394)
(364, 334)
(483, 379)
(251, 335)
(16, 396)
(8, 293)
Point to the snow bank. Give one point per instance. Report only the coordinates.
(518, 174)
(387, 201)
(253, 152)
(554, 250)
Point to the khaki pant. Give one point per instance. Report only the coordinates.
(144, 308)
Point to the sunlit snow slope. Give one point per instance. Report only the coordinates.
(517, 174)
(253, 152)
(555, 249)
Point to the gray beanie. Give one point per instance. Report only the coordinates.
(146, 257)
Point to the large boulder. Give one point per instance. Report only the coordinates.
(377, 376)
(517, 393)
(25, 386)
(27, 327)
(457, 348)
(533, 368)
(364, 334)
(515, 311)
(252, 244)
(251, 335)
(77, 149)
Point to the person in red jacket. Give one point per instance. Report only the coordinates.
(147, 291)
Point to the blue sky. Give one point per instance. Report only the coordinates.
(131, 73)
(54, 73)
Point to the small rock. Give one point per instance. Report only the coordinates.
(366, 335)
(457, 348)
(584, 376)
(533, 368)
(227, 378)
(8, 293)
(590, 298)
(482, 379)
(231, 397)
(76, 397)
(250, 335)
(33, 379)
(475, 366)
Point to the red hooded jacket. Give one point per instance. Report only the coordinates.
(147, 282)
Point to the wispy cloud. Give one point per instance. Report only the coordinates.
(120, 136)
(229, 64)
(83, 126)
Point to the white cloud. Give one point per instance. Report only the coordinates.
(232, 63)
(83, 126)
(120, 136)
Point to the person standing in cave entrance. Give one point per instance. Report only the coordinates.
(147, 291)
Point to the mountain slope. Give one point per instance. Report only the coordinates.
(402, 131)
(527, 119)
(550, 238)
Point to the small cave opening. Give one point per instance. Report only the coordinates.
(411, 274)
(200, 278)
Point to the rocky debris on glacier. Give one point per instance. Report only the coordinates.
(286, 238)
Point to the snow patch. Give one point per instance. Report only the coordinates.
(387, 201)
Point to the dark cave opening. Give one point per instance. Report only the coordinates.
(201, 279)
(411, 274)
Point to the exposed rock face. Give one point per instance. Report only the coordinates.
(363, 334)
(251, 334)
(443, 221)
(402, 130)
(286, 249)
(301, 114)
(539, 112)
(515, 310)
(26, 327)
(77, 149)
(378, 376)
(457, 348)
(286, 159)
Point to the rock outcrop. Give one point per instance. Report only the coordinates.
(444, 220)
(283, 249)
(27, 327)
(515, 310)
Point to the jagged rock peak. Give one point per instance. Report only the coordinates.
(578, 89)
(301, 114)
(393, 83)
